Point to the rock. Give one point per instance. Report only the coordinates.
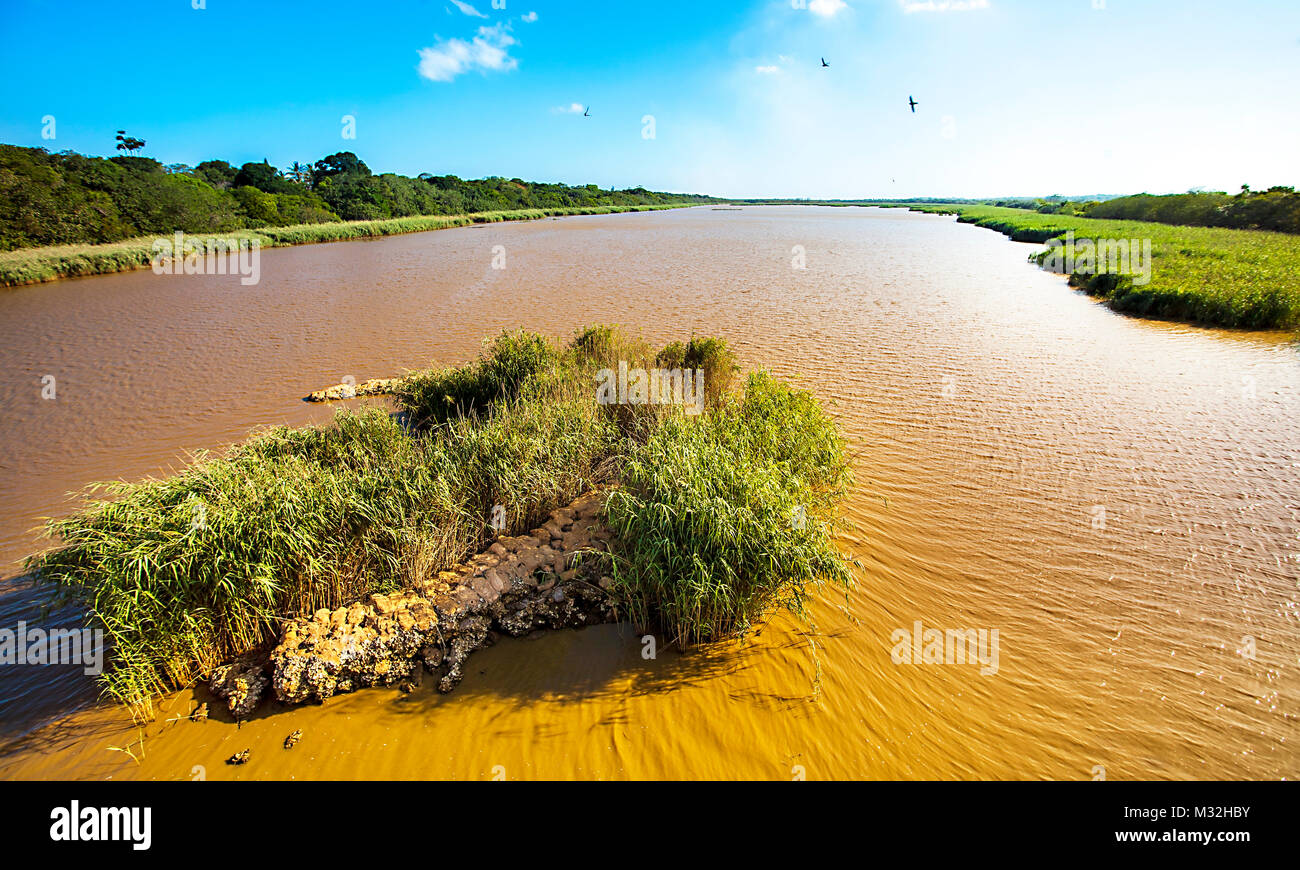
(240, 685)
(484, 588)
(381, 651)
(200, 713)
(471, 634)
(388, 638)
(240, 757)
(432, 656)
(292, 740)
(372, 387)
(587, 506)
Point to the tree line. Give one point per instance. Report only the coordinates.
(69, 198)
(1276, 209)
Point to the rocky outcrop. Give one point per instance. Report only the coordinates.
(372, 387)
(240, 684)
(554, 577)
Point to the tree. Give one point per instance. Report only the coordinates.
(342, 163)
(299, 172)
(129, 144)
(264, 177)
(217, 173)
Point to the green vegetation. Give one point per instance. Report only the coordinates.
(71, 199)
(714, 513)
(1275, 210)
(1244, 279)
(721, 515)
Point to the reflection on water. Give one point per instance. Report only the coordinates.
(1119, 498)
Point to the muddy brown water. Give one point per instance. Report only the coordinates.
(1119, 498)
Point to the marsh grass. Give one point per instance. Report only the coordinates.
(1241, 279)
(436, 396)
(723, 517)
(37, 265)
(190, 571)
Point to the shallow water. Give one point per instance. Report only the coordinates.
(1119, 498)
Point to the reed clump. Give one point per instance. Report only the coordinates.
(720, 516)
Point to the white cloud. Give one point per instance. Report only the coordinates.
(826, 8)
(767, 70)
(488, 51)
(571, 109)
(467, 9)
(528, 18)
(910, 6)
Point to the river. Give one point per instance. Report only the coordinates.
(1118, 498)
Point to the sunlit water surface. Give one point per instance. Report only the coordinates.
(1120, 499)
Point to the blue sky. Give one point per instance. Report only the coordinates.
(1016, 96)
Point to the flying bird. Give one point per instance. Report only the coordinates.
(587, 113)
(913, 103)
(824, 63)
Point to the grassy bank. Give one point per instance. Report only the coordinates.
(720, 515)
(1242, 279)
(36, 265)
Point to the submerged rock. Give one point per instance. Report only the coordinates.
(240, 757)
(518, 585)
(292, 740)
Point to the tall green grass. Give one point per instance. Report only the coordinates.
(186, 572)
(37, 265)
(1241, 279)
(723, 517)
(436, 396)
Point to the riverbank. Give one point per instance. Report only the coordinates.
(1238, 279)
(723, 502)
(39, 265)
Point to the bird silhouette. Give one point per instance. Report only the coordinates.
(824, 63)
(913, 103)
(587, 113)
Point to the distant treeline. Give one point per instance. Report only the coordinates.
(1276, 209)
(69, 198)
